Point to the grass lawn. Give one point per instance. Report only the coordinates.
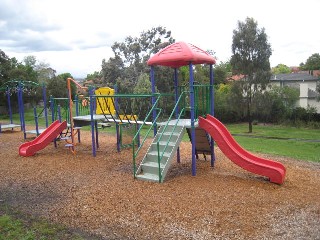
(292, 142)
(15, 225)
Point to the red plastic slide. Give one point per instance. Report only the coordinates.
(47, 136)
(275, 171)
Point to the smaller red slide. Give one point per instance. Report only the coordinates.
(275, 171)
(47, 136)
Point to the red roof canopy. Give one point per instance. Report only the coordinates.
(180, 54)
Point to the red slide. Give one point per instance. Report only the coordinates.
(47, 136)
(275, 171)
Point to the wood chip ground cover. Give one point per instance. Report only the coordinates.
(98, 195)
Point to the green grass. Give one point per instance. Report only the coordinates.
(295, 147)
(276, 131)
(299, 150)
(18, 228)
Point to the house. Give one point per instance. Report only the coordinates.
(306, 82)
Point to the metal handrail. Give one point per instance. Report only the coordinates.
(135, 153)
(167, 124)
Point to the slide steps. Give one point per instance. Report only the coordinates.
(169, 139)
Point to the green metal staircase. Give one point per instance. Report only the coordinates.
(158, 158)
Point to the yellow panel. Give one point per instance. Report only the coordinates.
(105, 105)
(128, 117)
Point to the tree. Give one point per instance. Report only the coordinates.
(57, 86)
(142, 106)
(276, 104)
(313, 62)
(112, 70)
(130, 56)
(251, 53)
(6, 64)
(30, 61)
(221, 71)
(281, 68)
(45, 72)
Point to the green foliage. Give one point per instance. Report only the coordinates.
(6, 64)
(184, 75)
(281, 68)
(313, 62)
(65, 76)
(130, 58)
(143, 86)
(225, 110)
(57, 87)
(251, 53)
(221, 72)
(95, 77)
(275, 104)
(202, 73)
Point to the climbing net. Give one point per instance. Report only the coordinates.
(14, 86)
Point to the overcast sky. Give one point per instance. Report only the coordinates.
(74, 36)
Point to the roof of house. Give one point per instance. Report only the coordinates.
(300, 76)
(235, 77)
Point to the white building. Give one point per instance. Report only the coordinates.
(305, 82)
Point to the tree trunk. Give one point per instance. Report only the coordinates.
(249, 111)
(250, 126)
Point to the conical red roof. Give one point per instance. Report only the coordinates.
(180, 54)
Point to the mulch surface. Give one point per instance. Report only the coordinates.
(99, 196)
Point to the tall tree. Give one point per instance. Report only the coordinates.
(251, 53)
(130, 56)
(313, 62)
(6, 64)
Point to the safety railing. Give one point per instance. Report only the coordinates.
(202, 100)
(161, 154)
(146, 135)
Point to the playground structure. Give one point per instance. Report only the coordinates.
(20, 87)
(157, 160)
(107, 106)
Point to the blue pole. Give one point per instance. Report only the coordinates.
(21, 109)
(92, 124)
(9, 105)
(213, 157)
(44, 96)
(116, 102)
(36, 119)
(52, 108)
(153, 99)
(59, 117)
(193, 133)
(76, 99)
(176, 97)
(118, 137)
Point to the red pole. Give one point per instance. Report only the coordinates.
(70, 109)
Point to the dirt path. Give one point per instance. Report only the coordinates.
(99, 195)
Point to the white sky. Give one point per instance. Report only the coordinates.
(74, 36)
